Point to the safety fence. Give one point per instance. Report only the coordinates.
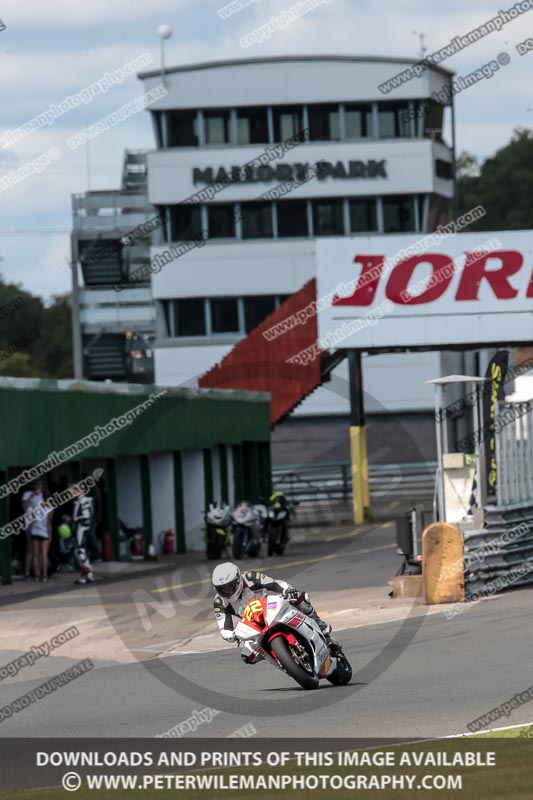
(323, 491)
(500, 555)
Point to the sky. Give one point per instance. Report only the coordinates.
(53, 49)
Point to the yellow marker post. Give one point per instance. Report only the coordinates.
(358, 491)
(358, 448)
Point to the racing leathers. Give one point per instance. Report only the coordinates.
(257, 584)
(82, 516)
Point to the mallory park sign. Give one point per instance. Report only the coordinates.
(291, 172)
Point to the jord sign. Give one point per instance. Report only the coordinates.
(468, 289)
(291, 172)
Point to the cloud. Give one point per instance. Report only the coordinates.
(69, 13)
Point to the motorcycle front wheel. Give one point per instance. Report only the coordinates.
(342, 674)
(237, 546)
(289, 662)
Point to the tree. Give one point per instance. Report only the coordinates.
(53, 351)
(23, 315)
(18, 366)
(503, 185)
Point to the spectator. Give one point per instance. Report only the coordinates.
(30, 499)
(40, 531)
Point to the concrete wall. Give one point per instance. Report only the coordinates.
(129, 499)
(162, 490)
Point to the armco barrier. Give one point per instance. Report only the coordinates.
(500, 555)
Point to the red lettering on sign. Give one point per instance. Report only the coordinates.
(530, 287)
(367, 283)
(439, 280)
(475, 270)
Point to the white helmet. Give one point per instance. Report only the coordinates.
(227, 580)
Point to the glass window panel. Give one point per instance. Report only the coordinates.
(328, 218)
(288, 121)
(363, 216)
(182, 128)
(221, 219)
(168, 317)
(394, 120)
(398, 214)
(252, 126)
(256, 309)
(190, 313)
(217, 127)
(256, 220)
(358, 121)
(224, 315)
(433, 120)
(324, 122)
(292, 218)
(185, 222)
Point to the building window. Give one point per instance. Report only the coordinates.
(182, 128)
(256, 220)
(443, 169)
(363, 216)
(324, 122)
(158, 125)
(433, 120)
(217, 127)
(394, 120)
(292, 218)
(224, 315)
(221, 221)
(398, 214)
(328, 217)
(256, 309)
(189, 316)
(185, 222)
(252, 126)
(358, 121)
(288, 122)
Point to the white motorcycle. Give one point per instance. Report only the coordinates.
(246, 540)
(292, 641)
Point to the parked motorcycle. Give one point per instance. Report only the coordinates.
(293, 642)
(245, 531)
(277, 528)
(217, 530)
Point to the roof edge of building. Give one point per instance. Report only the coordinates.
(232, 62)
(101, 387)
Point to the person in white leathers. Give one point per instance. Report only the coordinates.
(82, 518)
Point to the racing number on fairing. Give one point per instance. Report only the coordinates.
(252, 608)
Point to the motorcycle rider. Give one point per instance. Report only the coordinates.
(278, 500)
(234, 591)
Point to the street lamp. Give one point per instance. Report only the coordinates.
(165, 32)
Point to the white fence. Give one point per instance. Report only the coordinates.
(514, 453)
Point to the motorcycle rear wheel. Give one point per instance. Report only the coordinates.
(237, 546)
(215, 542)
(282, 650)
(272, 540)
